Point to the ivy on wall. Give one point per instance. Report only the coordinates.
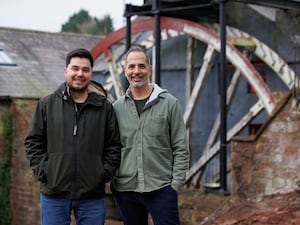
(5, 164)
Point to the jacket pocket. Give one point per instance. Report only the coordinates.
(156, 127)
(58, 171)
(127, 167)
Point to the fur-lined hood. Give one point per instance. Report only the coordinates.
(98, 88)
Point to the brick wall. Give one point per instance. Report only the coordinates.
(4, 108)
(269, 163)
(24, 189)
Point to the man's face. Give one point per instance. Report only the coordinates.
(78, 74)
(137, 69)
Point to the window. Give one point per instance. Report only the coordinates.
(5, 60)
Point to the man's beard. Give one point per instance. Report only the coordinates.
(137, 84)
(78, 90)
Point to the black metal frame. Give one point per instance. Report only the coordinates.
(200, 11)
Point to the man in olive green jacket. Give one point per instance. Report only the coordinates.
(155, 155)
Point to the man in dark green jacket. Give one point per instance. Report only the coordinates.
(73, 146)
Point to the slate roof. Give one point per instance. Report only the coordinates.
(38, 59)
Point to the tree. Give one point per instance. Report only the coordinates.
(82, 22)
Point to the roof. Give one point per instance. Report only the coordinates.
(32, 62)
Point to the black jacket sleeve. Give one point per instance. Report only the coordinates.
(35, 144)
(112, 151)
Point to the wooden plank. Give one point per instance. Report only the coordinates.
(208, 155)
(208, 59)
(115, 72)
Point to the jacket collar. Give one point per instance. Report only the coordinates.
(155, 93)
(96, 94)
(154, 97)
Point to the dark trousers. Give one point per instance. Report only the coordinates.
(162, 205)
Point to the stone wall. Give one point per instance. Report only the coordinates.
(269, 162)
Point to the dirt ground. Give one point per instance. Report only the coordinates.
(198, 207)
(280, 209)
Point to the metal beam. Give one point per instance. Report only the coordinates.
(280, 4)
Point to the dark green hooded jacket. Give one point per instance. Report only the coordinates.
(72, 152)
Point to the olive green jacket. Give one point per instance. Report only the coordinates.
(155, 151)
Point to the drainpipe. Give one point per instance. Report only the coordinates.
(128, 28)
(128, 40)
(156, 10)
(223, 93)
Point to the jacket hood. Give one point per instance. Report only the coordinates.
(94, 87)
(154, 97)
(157, 91)
(97, 88)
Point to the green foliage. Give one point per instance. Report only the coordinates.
(5, 164)
(21, 103)
(106, 24)
(82, 22)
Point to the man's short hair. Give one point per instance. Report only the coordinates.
(81, 53)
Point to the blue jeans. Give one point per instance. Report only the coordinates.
(56, 211)
(161, 204)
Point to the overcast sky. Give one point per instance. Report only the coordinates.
(50, 15)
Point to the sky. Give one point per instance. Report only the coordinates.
(50, 15)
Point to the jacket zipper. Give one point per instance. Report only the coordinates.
(73, 192)
(76, 120)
